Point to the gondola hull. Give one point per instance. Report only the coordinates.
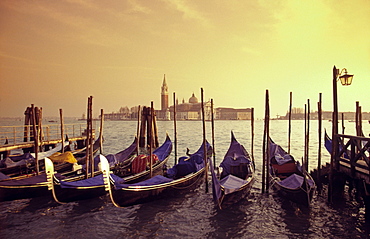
(232, 198)
(82, 193)
(141, 194)
(288, 178)
(237, 177)
(9, 193)
(94, 187)
(187, 174)
(300, 195)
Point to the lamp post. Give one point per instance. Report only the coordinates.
(345, 80)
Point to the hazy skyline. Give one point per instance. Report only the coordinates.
(55, 54)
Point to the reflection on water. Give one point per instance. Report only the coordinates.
(192, 214)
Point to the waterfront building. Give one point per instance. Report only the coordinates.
(190, 110)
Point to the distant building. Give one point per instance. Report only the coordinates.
(233, 114)
(191, 110)
(326, 115)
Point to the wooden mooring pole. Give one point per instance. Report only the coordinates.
(319, 130)
(252, 137)
(61, 128)
(35, 135)
(175, 125)
(142, 127)
(290, 120)
(266, 153)
(101, 131)
(205, 156)
(213, 136)
(138, 130)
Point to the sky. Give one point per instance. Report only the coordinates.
(55, 54)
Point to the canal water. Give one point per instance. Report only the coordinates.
(193, 214)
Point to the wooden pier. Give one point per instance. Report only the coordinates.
(351, 166)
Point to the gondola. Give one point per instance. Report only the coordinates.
(288, 178)
(237, 176)
(182, 177)
(30, 186)
(24, 164)
(73, 190)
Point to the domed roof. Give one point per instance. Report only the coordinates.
(193, 99)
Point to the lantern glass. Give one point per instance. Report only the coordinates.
(346, 79)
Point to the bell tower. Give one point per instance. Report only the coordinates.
(164, 94)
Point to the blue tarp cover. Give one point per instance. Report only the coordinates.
(3, 176)
(235, 155)
(232, 183)
(294, 181)
(90, 182)
(187, 165)
(162, 152)
(156, 180)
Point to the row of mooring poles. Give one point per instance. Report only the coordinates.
(148, 127)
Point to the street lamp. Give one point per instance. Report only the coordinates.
(346, 80)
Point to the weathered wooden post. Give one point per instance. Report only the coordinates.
(265, 147)
(319, 130)
(27, 119)
(175, 125)
(307, 134)
(334, 133)
(155, 129)
(61, 128)
(149, 126)
(205, 156)
(143, 127)
(252, 137)
(138, 130)
(101, 131)
(213, 135)
(290, 120)
(36, 141)
(151, 138)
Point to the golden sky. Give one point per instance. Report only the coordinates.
(55, 54)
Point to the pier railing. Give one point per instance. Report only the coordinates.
(13, 137)
(354, 155)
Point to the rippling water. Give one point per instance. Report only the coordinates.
(193, 214)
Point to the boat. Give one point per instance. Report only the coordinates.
(288, 177)
(237, 176)
(187, 174)
(30, 185)
(24, 164)
(69, 190)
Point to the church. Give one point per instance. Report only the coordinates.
(192, 110)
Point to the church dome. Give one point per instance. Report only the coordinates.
(193, 99)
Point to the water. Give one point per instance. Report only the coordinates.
(193, 214)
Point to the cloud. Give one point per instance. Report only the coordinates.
(189, 12)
